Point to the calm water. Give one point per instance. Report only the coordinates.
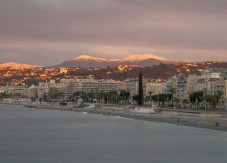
(32, 135)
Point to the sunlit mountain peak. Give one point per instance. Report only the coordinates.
(142, 57)
(14, 65)
(88, 57)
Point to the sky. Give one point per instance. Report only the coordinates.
(48, 32)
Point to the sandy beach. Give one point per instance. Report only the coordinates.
(212, 121)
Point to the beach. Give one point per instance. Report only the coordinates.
(208, 120)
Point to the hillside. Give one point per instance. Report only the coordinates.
(121, 72)
(13, 65)
(162, 71)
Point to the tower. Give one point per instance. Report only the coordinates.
(140, 91)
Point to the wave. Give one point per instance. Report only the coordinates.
(123, 118)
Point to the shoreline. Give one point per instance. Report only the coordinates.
(177, 118)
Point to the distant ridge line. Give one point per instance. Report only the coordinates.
(87, 61)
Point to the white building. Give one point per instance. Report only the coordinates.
(156, 87)
(43, 88)
(221, 86)
(33, 91)
(190, 86)
(89, 85)
(217, 73)
(132, 86)
(18, 91)
(209, 78)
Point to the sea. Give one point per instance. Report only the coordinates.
(51, 136)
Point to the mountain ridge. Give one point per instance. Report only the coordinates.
(87, 61)
(14, 65)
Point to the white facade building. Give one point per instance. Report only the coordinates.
(89, 85)
(155, 87)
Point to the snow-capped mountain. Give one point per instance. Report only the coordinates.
(89, 58)
(87, 61)
(138, 58)
(14, 65)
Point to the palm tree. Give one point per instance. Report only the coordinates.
(135, 98)
(124, 95)
(176, 101)
(197, 97)
(213, 100)
(205, 97)
(172, 91)
(113, 97)
(150, 95)
(220, 94)
(147, 99)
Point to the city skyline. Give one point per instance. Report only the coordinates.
(48, 32)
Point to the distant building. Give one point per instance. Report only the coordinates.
(179, 85)
(89, 85)
(209, 78)
(156, 87)
(190, 86)
(43, 88)
(33, 91)
(217, 73)
(222, 87)
(132, 86)
(121, 86)
(16, 91)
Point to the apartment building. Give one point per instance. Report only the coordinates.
(221, 86)
(17, 91)
(132, 86)
(89, 85)
(33, 91)
(217, 73)
(155, 87)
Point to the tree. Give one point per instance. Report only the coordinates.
(147, 99)
(135, 98)
(220, 94)
(81, 94)
(124, 95)
(213, 100)
(71, 99)
(163, 97)
(104, 96)
(155, 98)
(205, 97)
(113, 97)
(3, 95)
(176, 101)
(44, 97)
(91, 96)
(197, 97)
(150, 96)
(172, 92)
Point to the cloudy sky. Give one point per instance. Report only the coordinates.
(47, 32)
